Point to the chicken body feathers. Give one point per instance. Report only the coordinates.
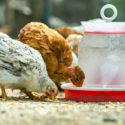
(21, 66)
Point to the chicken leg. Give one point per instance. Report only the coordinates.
(4, 95)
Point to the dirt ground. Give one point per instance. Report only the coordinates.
(59, 112)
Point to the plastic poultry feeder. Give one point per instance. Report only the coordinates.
(102, 58)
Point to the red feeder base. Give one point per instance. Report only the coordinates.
(94, 96)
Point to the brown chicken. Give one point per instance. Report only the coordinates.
(56, 52)
(66, 31)
(6, 29)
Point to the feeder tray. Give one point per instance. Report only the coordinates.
(102, 58)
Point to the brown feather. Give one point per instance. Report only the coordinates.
(66, 31)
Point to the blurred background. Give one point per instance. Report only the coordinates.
(14, 14)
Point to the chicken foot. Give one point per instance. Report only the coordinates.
(29, 94)
(4, 95)
(33, 96)
(39, 95)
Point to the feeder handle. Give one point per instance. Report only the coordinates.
(108, 19)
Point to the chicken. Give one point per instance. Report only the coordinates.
(22, 67)
(74, 41)
(6, 29)
(56, 52)
(66, 31)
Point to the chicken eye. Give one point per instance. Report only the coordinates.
(52, 91)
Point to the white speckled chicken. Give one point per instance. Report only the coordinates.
(22, 67)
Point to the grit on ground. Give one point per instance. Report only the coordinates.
(59, 112)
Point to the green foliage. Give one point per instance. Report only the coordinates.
(120, 5)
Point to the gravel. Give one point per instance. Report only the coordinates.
(59, 112)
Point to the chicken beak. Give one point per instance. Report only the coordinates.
(52, 97)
